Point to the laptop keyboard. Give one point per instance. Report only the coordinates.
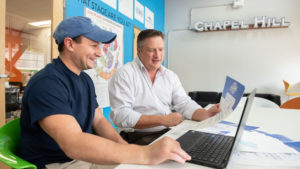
(211, 149)
(207, 147)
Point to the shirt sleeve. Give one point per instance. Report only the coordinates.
(181, 101)
(121, 96)
(47, 97)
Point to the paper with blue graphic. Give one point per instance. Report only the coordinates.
(231, 95)
(233, 91)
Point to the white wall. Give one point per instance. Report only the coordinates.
(258, 58)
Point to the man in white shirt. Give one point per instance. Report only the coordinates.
(143, 94)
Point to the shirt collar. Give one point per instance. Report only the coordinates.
(137, 60)
(60, 64)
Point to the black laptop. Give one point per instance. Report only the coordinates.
(214, 150)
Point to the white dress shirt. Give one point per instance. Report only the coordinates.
(131, 94)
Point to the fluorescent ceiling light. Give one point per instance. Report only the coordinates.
(46, 23)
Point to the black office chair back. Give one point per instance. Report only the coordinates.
(204, 98)
(272, 97)
(12, 99)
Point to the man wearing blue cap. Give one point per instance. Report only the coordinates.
(60, 111)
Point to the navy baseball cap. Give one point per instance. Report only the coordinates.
(80, 25)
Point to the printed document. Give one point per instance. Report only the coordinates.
(231, 95)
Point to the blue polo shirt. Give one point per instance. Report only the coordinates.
(54, 90)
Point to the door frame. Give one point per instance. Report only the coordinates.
(2, 61)
(136, 32)
(58, 15)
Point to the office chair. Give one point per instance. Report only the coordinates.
(291, 104)
(204, 98)
(12, 101)
(9, 142)
(272, 97)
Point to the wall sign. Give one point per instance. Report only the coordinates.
(259, 22)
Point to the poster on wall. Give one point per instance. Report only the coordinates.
(126, 8)
(149, 18)
(112, 3)
(139, 11)
(111, 56)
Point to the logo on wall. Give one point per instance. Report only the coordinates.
(259, 22)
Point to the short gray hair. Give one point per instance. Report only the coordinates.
(148, 33)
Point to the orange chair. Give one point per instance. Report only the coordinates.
(291, 104)
(287, 89)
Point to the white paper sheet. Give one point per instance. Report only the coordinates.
(266, 159)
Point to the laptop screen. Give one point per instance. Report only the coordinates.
(243, 119)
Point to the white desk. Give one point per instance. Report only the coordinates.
(276, 121)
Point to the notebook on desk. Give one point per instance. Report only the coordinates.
(214, 150)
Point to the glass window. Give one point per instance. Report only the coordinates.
(28, 42)
(27, 46)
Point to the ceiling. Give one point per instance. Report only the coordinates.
(20, 12)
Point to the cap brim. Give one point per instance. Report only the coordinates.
(100, 35)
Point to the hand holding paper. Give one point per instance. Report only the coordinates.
(203, 114)
(231, 95)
